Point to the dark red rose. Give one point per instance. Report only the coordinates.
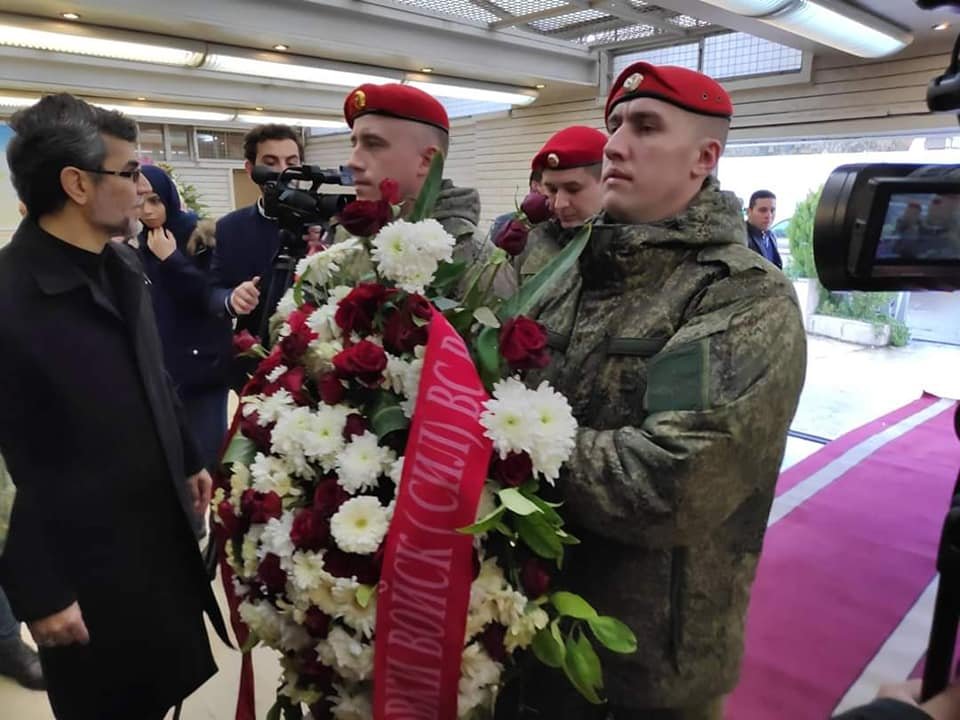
(331, 388)
(301, 335)
(512, 237)
(243, 342)
(341, 564)
(513, 470)
(310, 531)
(229, 519)
(535, 577)
(292, 381)
(364, 218)
(322, 710)
(536, 207)
(364, 362)
(475, 559)
(328, 497)
(401, 332)
(273, 577)
(523, 343)
(259, 382)
(313, 672)
(356, 311)
(250, 428)
(492, 640)
(356, 425)
(260, 507)
(390, 191)
(317, 622)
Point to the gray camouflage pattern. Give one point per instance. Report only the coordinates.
(682, 354)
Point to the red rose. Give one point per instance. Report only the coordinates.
(313, 673)
(512, 237)
(535, 578)
(317, 622)
(492, 640)
(310, 531)
(250, 428)
(356, 311)
(536, 207)
(260, 507)
(364, 218)
(301, 335)
(292, 381)
(401, 332)
(322, 710)
(342, 564)
(243, 342)
(331, 388)
(390, 191)
(364, 361)
(356, 425)
(228, 518)
(273, 577)
(328, 497)
(523, 343)
(270, 363)
(513, 470)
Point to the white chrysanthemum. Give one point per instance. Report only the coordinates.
(395, 374)
(325, 440)
(249, 549)
(294, 637)
(508, 417)
(320, 267)
(277, 373)
(395, 472)
(408, 253)
(322, 323)
(276, 540)
(360, 619)
(411, 385)
(293, 689)
(347, 655)
(359, 525)
(479, 677)
(347, 706)
(339, 293)
(263, 620)
(287, 304)
(303, 436)
(239, 482)
(271, 474)
(269, 408)
(320, 355)
(555, 430)
(510, 606)
(362, 462)
(489, 584)
(308, 570)
(520, 633)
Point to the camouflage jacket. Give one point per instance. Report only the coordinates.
(545, 241)
(682, 354)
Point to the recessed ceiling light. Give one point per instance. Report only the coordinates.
(426, 70)
(941, 26)
(258, 108)
(141, 99)
(69, 16)
(539, 86)
(281, 47)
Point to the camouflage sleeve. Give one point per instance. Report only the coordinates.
(719, 401)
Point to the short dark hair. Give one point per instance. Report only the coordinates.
(272, 131)
(536, 176)
(59, 131)
(761, 195)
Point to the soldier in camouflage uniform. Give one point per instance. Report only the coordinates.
(682, 354)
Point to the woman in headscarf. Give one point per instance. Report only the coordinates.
(196, 345)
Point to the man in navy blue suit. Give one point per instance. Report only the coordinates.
(760, 216)
(247, 239)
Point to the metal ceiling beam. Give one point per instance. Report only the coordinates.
(625, 11)
(541, 15)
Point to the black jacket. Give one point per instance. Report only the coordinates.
(754, 242)
(97, 448)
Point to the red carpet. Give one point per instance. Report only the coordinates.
(841, 569)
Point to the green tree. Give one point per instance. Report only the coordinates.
(188, 192)
(800, 234)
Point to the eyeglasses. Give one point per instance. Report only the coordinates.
(132, 174)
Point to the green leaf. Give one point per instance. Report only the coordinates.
(536, 287)
(460, 318)
(549, 648)
(572, 605)
(613, 634)
(430, 190)
(485, 523)
(566, 538)
(447, 276)
(387, 416)
(582, 667)
(485, 316)
(551, 515)
(517, 503)
(298, 292)
(488, 355)
(364, 594)
(444, 303)
(539, 536)
(240, 450)
(251, 643)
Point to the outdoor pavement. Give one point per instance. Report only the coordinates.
(846, 386)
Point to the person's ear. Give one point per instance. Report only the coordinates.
(77, 184)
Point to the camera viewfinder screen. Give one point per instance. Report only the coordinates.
(922, 227)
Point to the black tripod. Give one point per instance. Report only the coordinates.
(292, 249)
(943, 630)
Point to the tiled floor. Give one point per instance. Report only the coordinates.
(846, 387)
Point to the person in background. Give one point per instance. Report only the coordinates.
(196, 344)
(761, 214)
(534, 185)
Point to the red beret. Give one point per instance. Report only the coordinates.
(572, 147)
(687, 89)
(395, 100)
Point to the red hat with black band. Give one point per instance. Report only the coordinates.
(575, 146)
(395, 100)
(687, 89)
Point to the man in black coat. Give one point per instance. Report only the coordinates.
(761, 213)
(100, 559)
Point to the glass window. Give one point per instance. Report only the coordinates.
(687, 56)
(179, 139)
(739, 54)
(214, 144)
(151, 142)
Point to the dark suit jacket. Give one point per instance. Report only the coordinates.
(97, 448)
(754, 242)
